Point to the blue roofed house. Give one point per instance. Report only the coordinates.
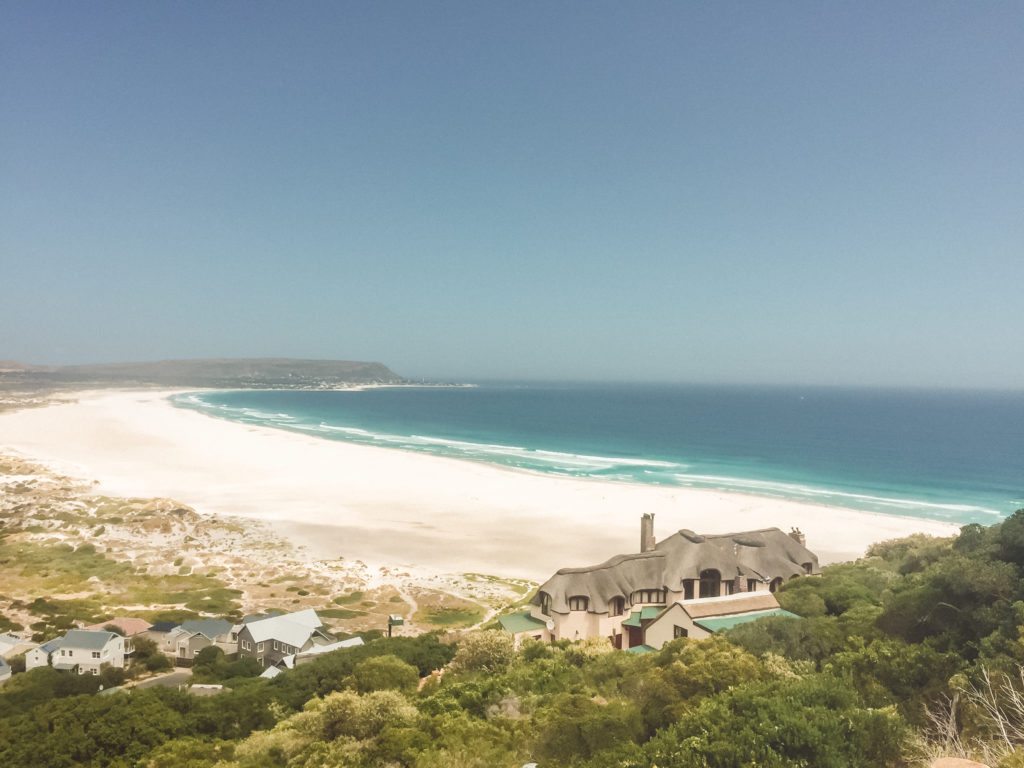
(83, 651)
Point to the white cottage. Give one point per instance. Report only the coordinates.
(83, 651)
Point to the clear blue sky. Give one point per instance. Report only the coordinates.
(758, 192)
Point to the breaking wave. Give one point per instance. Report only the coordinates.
(631, 469)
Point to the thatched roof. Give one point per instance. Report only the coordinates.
(764, 554)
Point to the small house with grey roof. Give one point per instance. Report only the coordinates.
(269, 639)
(692, 579)
(84, 651)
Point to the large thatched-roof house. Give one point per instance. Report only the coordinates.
(725, 575)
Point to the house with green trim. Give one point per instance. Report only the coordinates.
(689, 585)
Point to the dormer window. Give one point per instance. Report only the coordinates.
(545, 603)
(578, 603)
(617, 606)
(710, 583)
(649, 596)
(808, 567)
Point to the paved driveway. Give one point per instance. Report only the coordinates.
(170, 680)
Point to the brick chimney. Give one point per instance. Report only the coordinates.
(797, 535)
(647, 532)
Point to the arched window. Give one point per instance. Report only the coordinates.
(710, 583)
(545, 603)
(616, 606)
(578, 603)
(775, 584)
(808, 567)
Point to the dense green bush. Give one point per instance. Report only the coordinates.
(385, 673)
(915, 621)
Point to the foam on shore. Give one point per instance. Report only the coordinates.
(399, 507)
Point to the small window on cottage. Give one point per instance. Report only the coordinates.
(95, 654)
(808, 567)
(95, 671)
(751, 585)
(649, 596)
(617, 606)
(578, 603)
(275, 646)
(775, 584)
(678, 631)
(688, 589)
(259, 647)
(545, 603)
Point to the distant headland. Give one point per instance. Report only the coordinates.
(240, 373)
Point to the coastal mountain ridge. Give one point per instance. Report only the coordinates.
(235, 372)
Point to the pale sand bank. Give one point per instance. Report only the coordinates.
(395, 507)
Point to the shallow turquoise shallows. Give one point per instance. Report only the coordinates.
(956, 456)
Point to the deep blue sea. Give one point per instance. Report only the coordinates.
(955, 456)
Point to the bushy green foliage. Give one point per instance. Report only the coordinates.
(915, 620)
(816, 721)
(147, 657)
(488, 651)
(210, 665)
(385, 673)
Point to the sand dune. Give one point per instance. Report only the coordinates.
(395, 507)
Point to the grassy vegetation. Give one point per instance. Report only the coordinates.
(441, 616)
(352, 597)
(340, 613)
(56, 568)
(85, 585)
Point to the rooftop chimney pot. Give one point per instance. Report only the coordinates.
(647, 532)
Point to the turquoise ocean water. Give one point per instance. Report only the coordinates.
(954, 456)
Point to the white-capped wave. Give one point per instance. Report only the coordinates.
(823, 494)
(617, 468)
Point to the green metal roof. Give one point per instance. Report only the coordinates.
(720, 623)
(646, 613)
(521, 622)
(641, 649)
(633, 620)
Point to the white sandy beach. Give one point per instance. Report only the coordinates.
(394, 507)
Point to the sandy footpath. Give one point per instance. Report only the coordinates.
(388, 506)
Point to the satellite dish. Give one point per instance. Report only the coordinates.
(550, 624)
